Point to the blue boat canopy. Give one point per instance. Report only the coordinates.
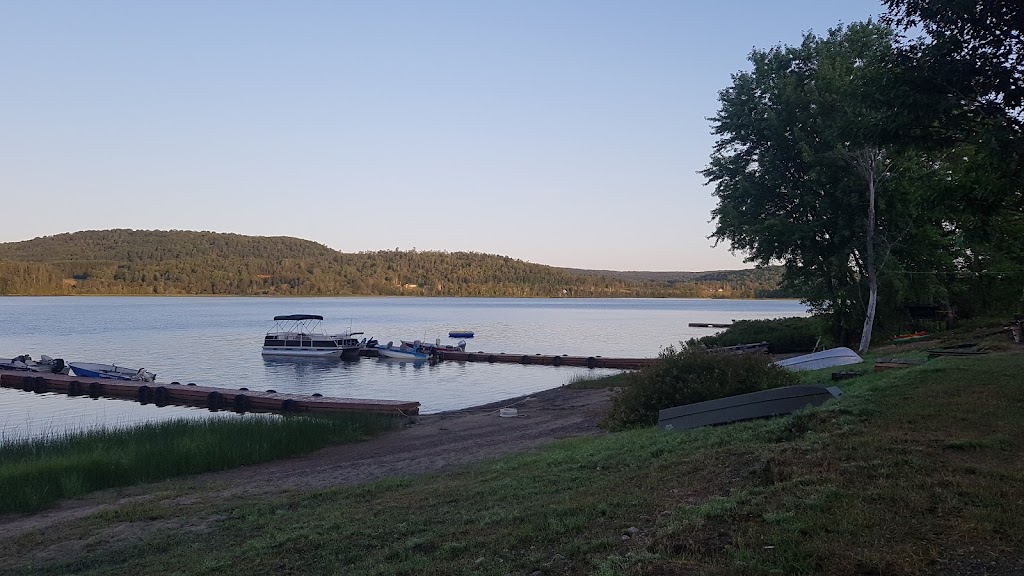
(299, 317)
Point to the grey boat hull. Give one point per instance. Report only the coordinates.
(762, 404)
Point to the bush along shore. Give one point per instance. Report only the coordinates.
(913, 471)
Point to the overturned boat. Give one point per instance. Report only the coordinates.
(761, 404)
(825, 359)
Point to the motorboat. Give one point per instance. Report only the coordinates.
(302, 335)
(436, 346)
(350, 344)
(825, 359)
(415, 353)
(111, 372)
(26, 363)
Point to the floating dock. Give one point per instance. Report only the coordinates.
(548, 360)
(177, 394)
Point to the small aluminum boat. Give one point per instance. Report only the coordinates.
(111, 372)
(414, 353)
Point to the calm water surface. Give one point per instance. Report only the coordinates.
(216, 342)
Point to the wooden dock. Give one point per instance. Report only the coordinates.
(548, 360)
(755, 348)
(177, 394)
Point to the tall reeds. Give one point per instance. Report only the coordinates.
(36, 473)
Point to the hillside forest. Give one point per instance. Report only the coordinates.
(210, 263)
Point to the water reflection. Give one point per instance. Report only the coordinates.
(305, 366)
(27, 414)
(391, 362)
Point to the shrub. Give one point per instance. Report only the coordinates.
(691, 375)
(782, 334)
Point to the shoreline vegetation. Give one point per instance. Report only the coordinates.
(809, 493)
(154, 262)
(36, 473)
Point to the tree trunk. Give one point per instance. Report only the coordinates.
(869, 262)
(869, 319)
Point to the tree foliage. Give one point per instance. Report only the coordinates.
(974, 51)
(848, 159)
(817, 166)
(976, 47)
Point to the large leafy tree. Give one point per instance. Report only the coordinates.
(818, 165)
(977, 44)
(974, 50)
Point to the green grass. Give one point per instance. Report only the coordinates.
(586, 381)
(913, 471)
(36, 473)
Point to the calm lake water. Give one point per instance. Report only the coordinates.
(216, 342)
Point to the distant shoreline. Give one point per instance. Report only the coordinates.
(285, 296)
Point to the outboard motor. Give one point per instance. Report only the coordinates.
(57, 366)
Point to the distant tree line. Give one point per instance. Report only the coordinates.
(183, 262)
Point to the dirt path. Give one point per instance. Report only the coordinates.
(437, 442)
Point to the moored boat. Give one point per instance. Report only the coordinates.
(111, 372)
(301, 335)
(436, 346)
(26, 363)
(460, 334)
(350, 344)
(415, 353)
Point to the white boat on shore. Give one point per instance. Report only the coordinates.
(301, 335)
(825, 359)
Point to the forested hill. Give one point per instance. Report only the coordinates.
(765, 282)
(181, 262)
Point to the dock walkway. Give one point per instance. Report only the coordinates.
(548, 360)
(177, 394)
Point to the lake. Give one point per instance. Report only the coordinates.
(216, 341)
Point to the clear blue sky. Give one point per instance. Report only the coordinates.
(566, 133)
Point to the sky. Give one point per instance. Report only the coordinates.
(566, 133)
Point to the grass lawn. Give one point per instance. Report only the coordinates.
(916, 470)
